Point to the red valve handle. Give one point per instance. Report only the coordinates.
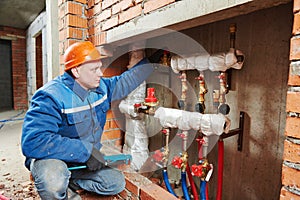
(177, 162)
(197, 170)
(150, 96)
(137, 105)
(158, 156)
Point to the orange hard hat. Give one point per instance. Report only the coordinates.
(80, 52)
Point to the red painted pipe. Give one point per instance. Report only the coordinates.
(206, 191)
(220, 168)
(193, 186)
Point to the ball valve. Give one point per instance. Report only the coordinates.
(177, 162)
(149, 106)
(202, 169)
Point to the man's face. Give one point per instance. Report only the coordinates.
(88, 74)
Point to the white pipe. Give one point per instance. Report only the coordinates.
(202, 62)
(136, 137)
(209, 124)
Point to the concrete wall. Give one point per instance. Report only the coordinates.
(258, 89)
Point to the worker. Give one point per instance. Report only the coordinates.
(65, 121)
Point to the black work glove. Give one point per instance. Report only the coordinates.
(96, 160)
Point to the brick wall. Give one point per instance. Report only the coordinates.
(73, 24)
(104, 15)
(19, 78)
(90, 19)
(137, 187)
(291, 156)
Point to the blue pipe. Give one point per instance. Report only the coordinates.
(166, 180)
(184, 187)
(203, 190)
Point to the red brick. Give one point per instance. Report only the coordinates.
(62, 34)
(290, 177)
(70, 42)
(98, 1)
(91, 30)
(74, 8)
(124, 194)
(109, 114)
(82, 1)
(132, 180)
(291, 151)
(91, 22)
(90, 13)
(286, 195)
(98, 39)
(107, 125)
(122, 5)
(110, 23)
(90, 3)
(98, 30)
(155, 192)
(111, 134)
(75, 33)
(76, 21)
(97, 9)
(293, 102)
(108, 3)
(130, 14)
(296, 26)
(62, 23)
(295, 50)
(105, 14)
(145, 189)
(154, 4)
(296, 5)
(138, 1)
(292, 127)
(114, 124)
(62, 11)
(294, 80)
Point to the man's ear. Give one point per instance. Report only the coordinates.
(75, 72)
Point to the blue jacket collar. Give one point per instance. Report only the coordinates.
(70, 82)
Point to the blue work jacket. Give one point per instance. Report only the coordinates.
(65, 121)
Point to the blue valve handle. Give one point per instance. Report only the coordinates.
(110, 160)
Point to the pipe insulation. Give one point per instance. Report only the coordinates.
(209, 124)
(136, 137)
(202, 62)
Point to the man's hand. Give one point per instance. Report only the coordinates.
(96, 160)
(227, 125)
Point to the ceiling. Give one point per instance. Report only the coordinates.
(20, 13)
